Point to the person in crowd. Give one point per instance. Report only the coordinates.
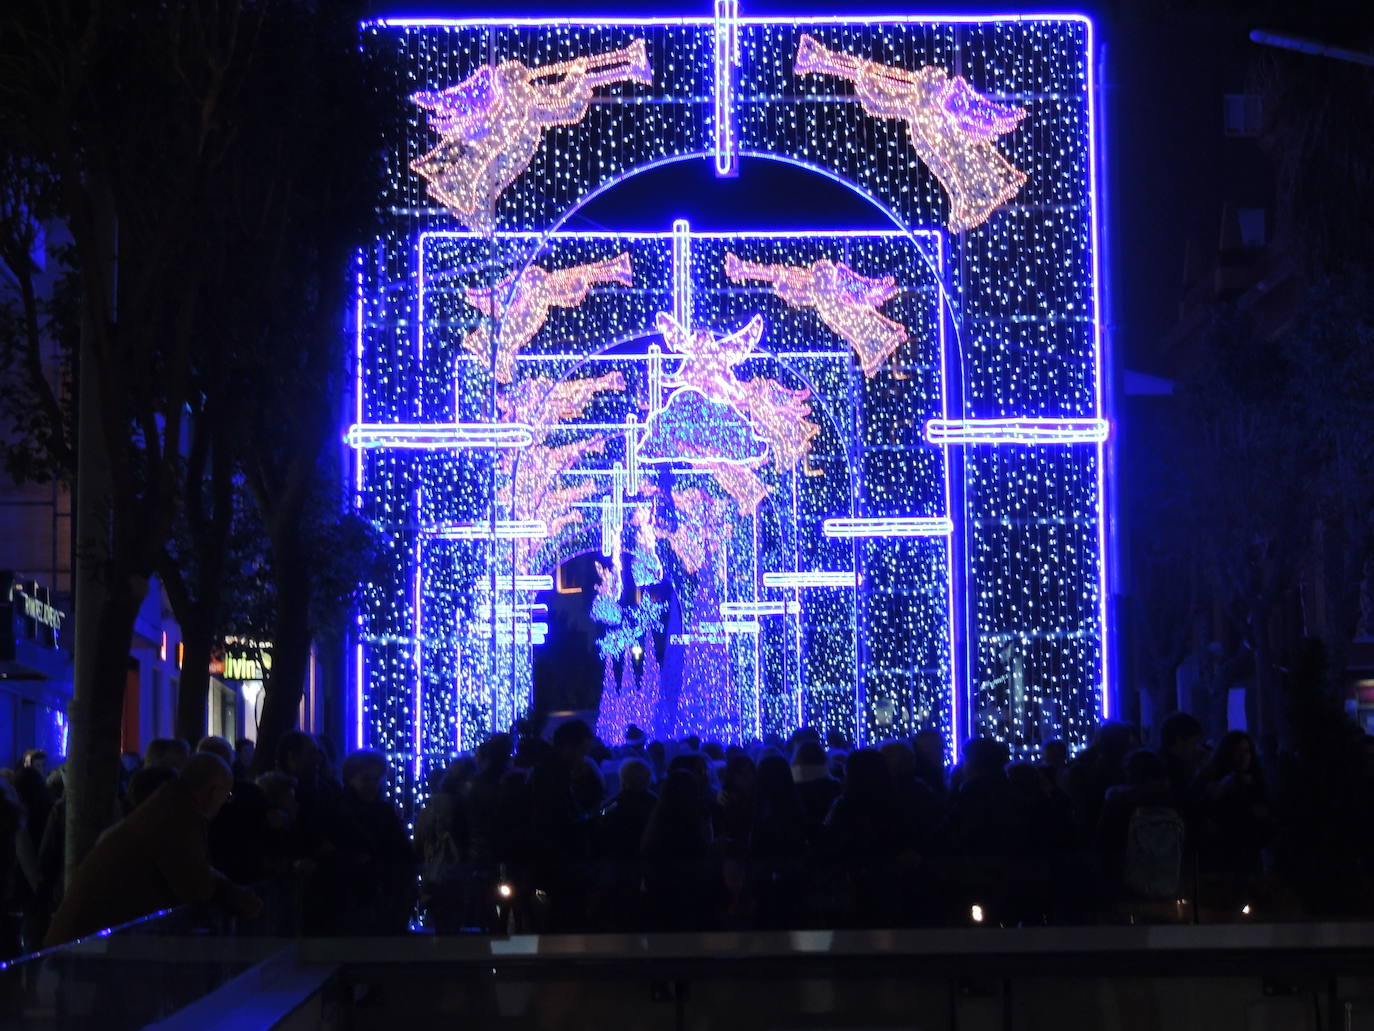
(1054, 762)
(920, 809)
(282, 849)
(145, 783)
(1094, 770)
(52, 849)
(656, 755)
(987, 816)
(238, 834)
(31, 786)
(377, 853)
(619, 831)
(14, 885)
(321, 831)
(171, 752)
(562, 827)
(34, 759)
(929, 745)
(1139, 817)
(589, 784)
(635, 741)
(684, 888)
(1049, 815)
(816, 788)
(1235, 821)
(329, 772)
(244, 749)
(156, 858)
(699, 766)
(777, 845)
(442, 838)
(735, 802)
(26, 894)
(1183, 752)
(482, 800)
(1054, 755)
(621, 824)
(868, 837)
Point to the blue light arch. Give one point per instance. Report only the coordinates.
(1020, 302)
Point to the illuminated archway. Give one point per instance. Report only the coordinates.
(1020, 443)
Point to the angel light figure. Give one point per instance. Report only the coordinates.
(950, 124)
(846, 302)
(493, 121)
(531, 297)
(777, 413)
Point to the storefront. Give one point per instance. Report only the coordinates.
(35, 668)
(238, 671)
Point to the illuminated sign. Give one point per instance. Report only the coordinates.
(35, 618)
(242, 660)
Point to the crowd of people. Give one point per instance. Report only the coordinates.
(192, 826)
(564, 833)
(568, 834)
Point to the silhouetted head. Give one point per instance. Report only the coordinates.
(866, 775)
(363, 772)
(216, 745)
(572, 740)
(210, 781)
(299, 756)
(635, 775)
(1143, 767)
(985, 757)
(167, 751)
(1055, 754)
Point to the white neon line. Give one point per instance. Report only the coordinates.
(505, 610)
(500, 530)
(1017, 431)
(518, 582)
(760, 608)
(682, 274)
(743, 627)
(426, 436)
(923, 526)
(847, 578)
(726, 58)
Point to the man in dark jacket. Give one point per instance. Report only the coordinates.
(156, 858)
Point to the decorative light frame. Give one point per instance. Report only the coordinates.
(1025, 432)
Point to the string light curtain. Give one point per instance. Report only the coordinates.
(886, 447)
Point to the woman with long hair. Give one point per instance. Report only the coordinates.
(1235, 821)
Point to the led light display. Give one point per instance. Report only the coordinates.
(532, 294)
(850, 479)
(491, 123)
(949, 124)
(846, 302)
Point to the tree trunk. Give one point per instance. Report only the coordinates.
(290, 659)
(97, 709)
(192, 695)
(107, 601)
